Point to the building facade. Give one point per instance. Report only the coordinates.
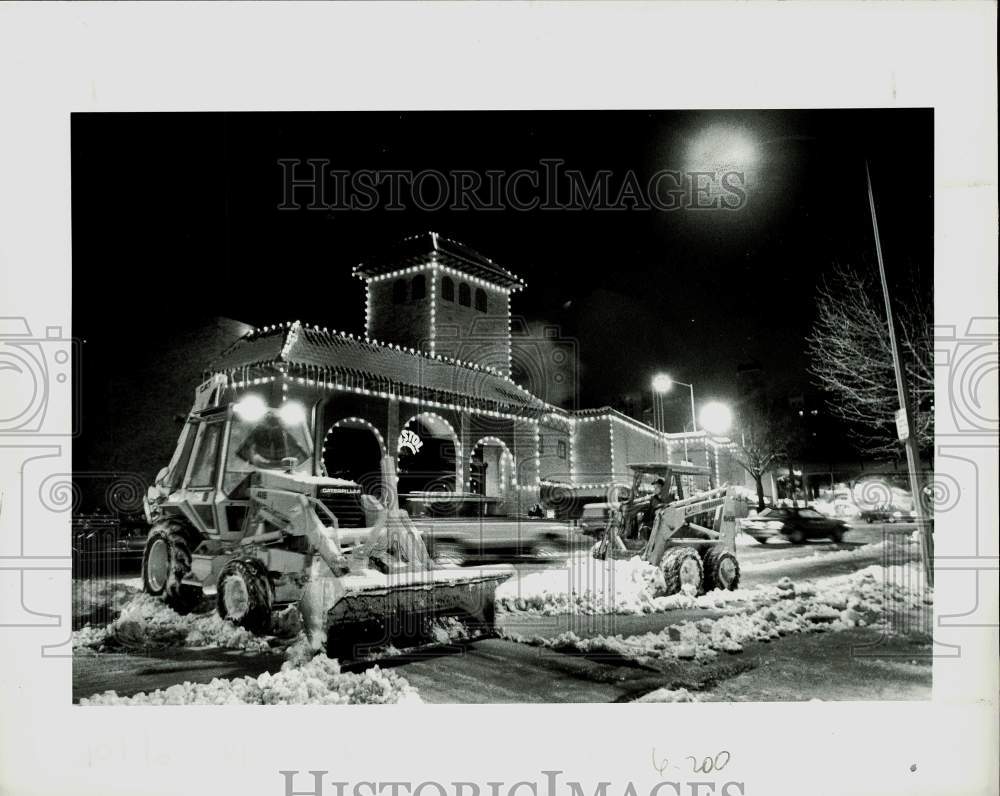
(428, 384)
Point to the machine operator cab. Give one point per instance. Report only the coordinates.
(653, 484)
(219, 455)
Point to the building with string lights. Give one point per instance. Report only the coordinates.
(430, 383)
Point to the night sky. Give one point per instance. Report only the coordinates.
(176, 221)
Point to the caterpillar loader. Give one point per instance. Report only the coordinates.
(665, 529)
(243, 513)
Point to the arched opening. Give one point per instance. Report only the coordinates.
(418, 287)
(427, 452)
(353, 450)
(491, 469)
(448, 288)
(464, 294)
(481, 299)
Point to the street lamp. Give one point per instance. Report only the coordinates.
(662, 384)
(716, 418)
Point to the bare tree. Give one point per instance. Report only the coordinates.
(852, 359)
(760, 443)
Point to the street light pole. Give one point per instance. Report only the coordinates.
(910, 442)
(694, 419)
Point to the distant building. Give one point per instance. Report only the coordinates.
(429, 384)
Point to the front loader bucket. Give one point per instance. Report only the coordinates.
(399, 609)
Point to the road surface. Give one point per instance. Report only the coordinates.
(500, 670)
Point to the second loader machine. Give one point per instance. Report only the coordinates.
(243, 513)
(692, 540)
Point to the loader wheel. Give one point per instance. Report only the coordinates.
(722, 570)
(166, 560)
(245, 595)
(682, 567)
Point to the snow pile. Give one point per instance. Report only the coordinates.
(146, 621)
(591, 586)
(101, 599)
(669, 695)
(584, 586)
(857, 600)
(316, 682)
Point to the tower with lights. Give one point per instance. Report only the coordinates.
(440, 297)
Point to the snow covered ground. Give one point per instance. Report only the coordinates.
(318, 681)
(860, 599)
(146, 621)
(582, 586)
(587, 586)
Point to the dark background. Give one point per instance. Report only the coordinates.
(176, 224)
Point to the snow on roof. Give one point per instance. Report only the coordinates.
(429, 247)
(329, 354)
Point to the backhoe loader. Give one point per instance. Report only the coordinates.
(667, 531)
(244, 513)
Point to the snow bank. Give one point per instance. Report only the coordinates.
(669, 695)
(316, 682)
(146, 621)
(856, 600)
(875, 551)
(587, 586)
(101, 599)
(584, 586)
(590, 586)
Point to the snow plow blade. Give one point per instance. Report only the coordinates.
(400, 609)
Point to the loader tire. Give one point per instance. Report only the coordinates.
(722, 570)
(246, 595)
(682, 566)
(166, 561)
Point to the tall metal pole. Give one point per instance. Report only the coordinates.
(694, 421)
(910, 443)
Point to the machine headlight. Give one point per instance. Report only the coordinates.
(250, 408)
(292, 413)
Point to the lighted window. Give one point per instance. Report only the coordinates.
(399, 289)
(561, 449)
(480, 299)
(464, 295)
(418, 287)
(448, 288)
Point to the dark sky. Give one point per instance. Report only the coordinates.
(176, 220)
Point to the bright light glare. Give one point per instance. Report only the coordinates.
(722, 147)
(251, 408)
(662, 383)
(716, 418)
(292, 413)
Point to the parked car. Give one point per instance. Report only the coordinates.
(888, 514)
(794, 524)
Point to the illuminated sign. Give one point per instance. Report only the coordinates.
(409, 440)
